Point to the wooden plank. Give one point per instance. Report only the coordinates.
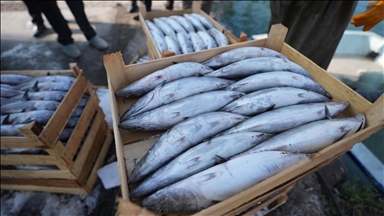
(135, 151)
(17, 159)
(114, 62)
(166, 53)
(42, 182)
(36, 73)
(32, 129)
(99, 162)
(243, 37)
(196, 6)
(276, 37)
(66, 190)
(20, 142)
(280, 201)
(43, 174)
(128, 208)
(80, 129)
(59, 119)
(88, 143)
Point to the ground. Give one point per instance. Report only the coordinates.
(111, 20)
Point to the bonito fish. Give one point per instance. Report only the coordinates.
(160, 42)
(184, 42)
(195, 22)
(49, 78)
(175, 90)
(251, 66)
(175, 25)
(153, 27)
(311, 137)
(9, 92)
(14, 79)
(219, 37)
(184, 22)
(204, 20)
(208, 40)
(239, 54)
(272, 98)
(180, 138)
(198, 158)
(164, 117)
(197, 43)
(41, 95)
(219, 182)
(42, 116)
(172, 45)
(285, 118)
(277, 79)
(168, 74)
(22, 106)
(165, 27)
(47, 86)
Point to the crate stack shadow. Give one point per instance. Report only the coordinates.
(72, 166)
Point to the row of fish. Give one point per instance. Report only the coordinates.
(25, 99)
(231, 122)
(185, 34)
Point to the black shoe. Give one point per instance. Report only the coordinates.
(39, 31)
(136, 17)
(134, 9)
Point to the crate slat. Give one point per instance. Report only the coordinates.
(42, 174)
(41, 182)
(19, 142)
(11, 159)
(66, 190)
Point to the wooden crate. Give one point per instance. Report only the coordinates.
(129, 149)
(76, 163)
(154, 53)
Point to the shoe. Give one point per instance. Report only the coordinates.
(39, 30)
(136, 17)
(72, 51)
(134, 9)
(98, 42)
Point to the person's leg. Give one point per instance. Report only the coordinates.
(35, 13)
(148, 4)
(206, 6)
(169, 5)
(187, 4)
(134, 7)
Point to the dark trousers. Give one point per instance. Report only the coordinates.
(34, 11)
(148, 4)
(206, 5)
(315, 28)
(60, 25)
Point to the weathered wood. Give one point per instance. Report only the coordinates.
(20, 142)
(66, 190)
(41, 174)
(17, 159)
(42, 182)
(128, 208)
(243, 37)
(31, 130)
(276, 37)
(196, 6)
(166, 53)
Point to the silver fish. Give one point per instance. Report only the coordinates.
(272, 98)
(165, 27)
(166, 116)
(160, 42)
(175, 25)
(219, 182)
(277, 79)
(47, 86)
(41, 95)
(285, 118)
(251, 66)
(50, 78)
(198, 158)
(42, 116)
(172, 45)
(180, 138)
(197, 43)
(175, 90)
(14, 79)
(13, 130)
(184, 22)
(168, 74)
(195, 22)
(72, 121)
(22, 106)
(208, 40)
(184, 42)
(8, 92)
(239, 54)
(311, 137)
(153, 27)
(204, 20)
(5, 101)
(7, 86)
(220, 38)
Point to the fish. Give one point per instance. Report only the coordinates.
(181, 137)
(42, 116)
(41, 95)
(168, 74)
(160, 42)
(5, 101)
(198, 158)
(7, 86)
(197, 43)
(219, 182)
(14, 79)
(22, 106)
(172, 45)
(165, 27)
(272, 98)
(277, 79)
(72, 121)
(49, 78)
(204, 20)
(207, 39)
(13, 130)
(153, 27)
(47, 86)
(251, 66)
(4, 119)
(175, 90)
(184, 42)
(285, 118)
(220, 38)
(166, 116)
(311, 137)
(175, 25)
(187, 25)
(9, 92)
(239, 54)
(195, 22)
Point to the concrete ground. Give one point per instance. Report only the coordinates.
(111, 20)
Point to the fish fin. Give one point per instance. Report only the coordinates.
(271, 107)
(179, 142)
(223, 31)
(220, 159)
(327, 112)
(6, 120)
(175, 62)
(48, 73)
(25, 95)
(35, 86)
